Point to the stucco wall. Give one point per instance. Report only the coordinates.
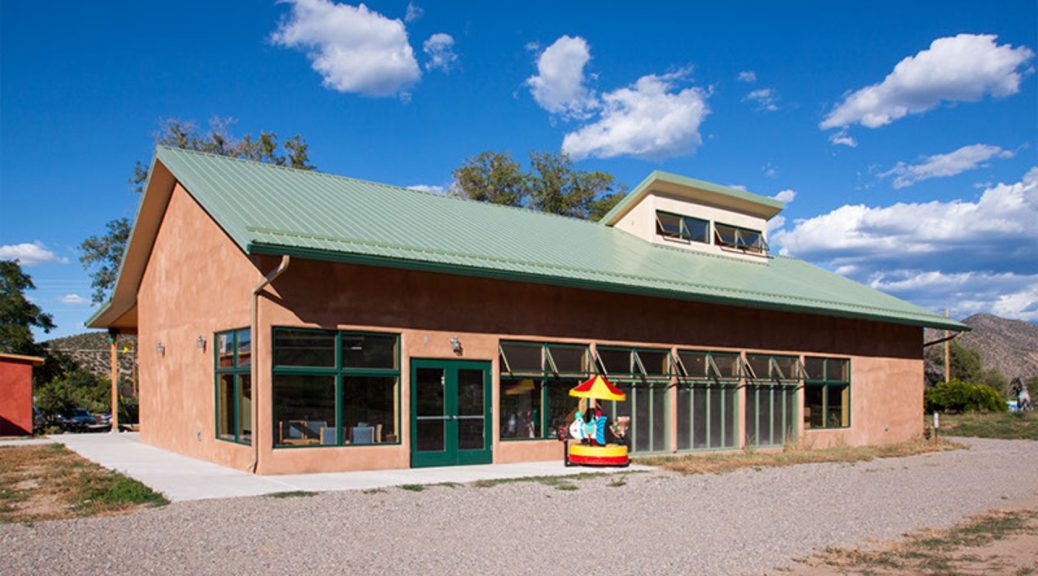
(15, 398)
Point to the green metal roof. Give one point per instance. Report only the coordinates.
(269, 209)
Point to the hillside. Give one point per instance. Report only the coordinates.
(90, 350)
(1009, 346)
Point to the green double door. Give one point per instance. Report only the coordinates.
(450, 413)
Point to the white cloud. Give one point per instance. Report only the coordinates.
(786, 196)
(650, 119)
(558, 86)
(959, 68)
(748, 76)
(439, 49)
(943, 165)
(976, 256)
(355, 49)
(738, 187)
(844, 139)
(766, 99)
(413, 12)
(775, 223)
(74, 300)
(428, 188)
(30, 254)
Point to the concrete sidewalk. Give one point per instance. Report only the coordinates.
(181, 478)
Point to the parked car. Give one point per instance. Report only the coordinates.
(39, 423)
(76, 420)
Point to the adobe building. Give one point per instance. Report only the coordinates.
(293, 321)
(16, 393)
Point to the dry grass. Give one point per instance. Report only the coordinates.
(719, 463)
(1006, 425)
(51, 482)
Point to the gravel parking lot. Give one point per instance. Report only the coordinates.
(745, 522)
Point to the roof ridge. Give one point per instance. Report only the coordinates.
(397, 187)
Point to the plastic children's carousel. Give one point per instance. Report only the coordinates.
(589, 441)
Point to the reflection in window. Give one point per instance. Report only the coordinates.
(738, 238)
(682, 227)
(233, 386)
(827, 392)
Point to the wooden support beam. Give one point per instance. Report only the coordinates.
(947, 353)
(113, 336)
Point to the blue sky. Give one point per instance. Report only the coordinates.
(904, 133)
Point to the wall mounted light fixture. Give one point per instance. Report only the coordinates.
(200, 343)
(455, 344)
(160, 349)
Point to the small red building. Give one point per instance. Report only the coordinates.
(16, 393)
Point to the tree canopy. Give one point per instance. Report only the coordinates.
(103, 253)
(553, 184)
(18, 316)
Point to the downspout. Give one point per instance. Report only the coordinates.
(942, 340)
(253, 380)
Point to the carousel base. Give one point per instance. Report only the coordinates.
(608, 455)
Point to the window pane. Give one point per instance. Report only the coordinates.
(684, 417)
(522, 357)
(790, 421)
(520, 408)
(244, 347)
(225, 350)
(304, 409)
(659, 417)
(245, 409)
(699, 416)
(304, 348)
(369, 350)
(668, 225)
(814, 417)
(695, 363)
(369, 408)
(225, 410)
(616, 360)
(787, 366)
(430, 434)
(716, 417)
(471, 409)
(624, 408)
(839, 409)
(752, 240)
(561, 405)
(696, 229)
(760, 365)
(570, 359)
(654, 361)
(642, 420)
(725, 235)
(750, 415)
(815, 368)
(839, 370)
(728, 364)
(730, 415)
(764, 416)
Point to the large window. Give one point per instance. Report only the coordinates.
(708, 387)
(682, 227)
(233, 386)
(643, 374)
(827, 392)
(738, 238)
(334, 388)
(535, 381)
(771, 398)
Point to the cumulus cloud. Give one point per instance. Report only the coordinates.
(653, 119)
(439, 49)
(559, 85)
(413, 12)
(428, 188)
(353, 48)
(961, 68)
(766, 99)
(786, 196)
(943, 165)
(30, 254)
(843, 139)
(748, 76)
(74, 300)
(978, 256)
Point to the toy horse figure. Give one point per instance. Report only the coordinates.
(1023, 397)
(576, 429)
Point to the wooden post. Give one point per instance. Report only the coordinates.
(113, 336)
(947, 353)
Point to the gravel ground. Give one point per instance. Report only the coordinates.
(745, 522)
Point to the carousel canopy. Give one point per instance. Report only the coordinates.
(598, 388)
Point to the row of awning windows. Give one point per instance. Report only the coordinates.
(627, 363)
(693, 229)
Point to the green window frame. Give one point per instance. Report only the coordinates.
(232, 366)
(644, 375)
(708, 400)
(543, 372)
(680, 227)
(825, 380)
(736, 237)
(771, 406)
(319, 363)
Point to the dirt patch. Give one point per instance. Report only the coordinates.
(50, 482)
(999, 542)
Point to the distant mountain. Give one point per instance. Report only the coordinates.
(90, 350)
(1009, 346)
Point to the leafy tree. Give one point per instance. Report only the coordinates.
(966, 364)
(492, 177)
(102, 254)
(18, 316)
(77, 388)
(959, 396)
(552, 185)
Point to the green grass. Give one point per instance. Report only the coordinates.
(292, 494)
(1005, 425)
(412, 487)
(555, 481)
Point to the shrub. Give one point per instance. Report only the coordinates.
(959, 396)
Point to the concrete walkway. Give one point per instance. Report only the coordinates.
(24, 441)
(181, 478)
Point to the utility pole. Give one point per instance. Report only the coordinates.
(947, 352)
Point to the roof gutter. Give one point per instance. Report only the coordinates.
(942, 340)
(253, 325)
